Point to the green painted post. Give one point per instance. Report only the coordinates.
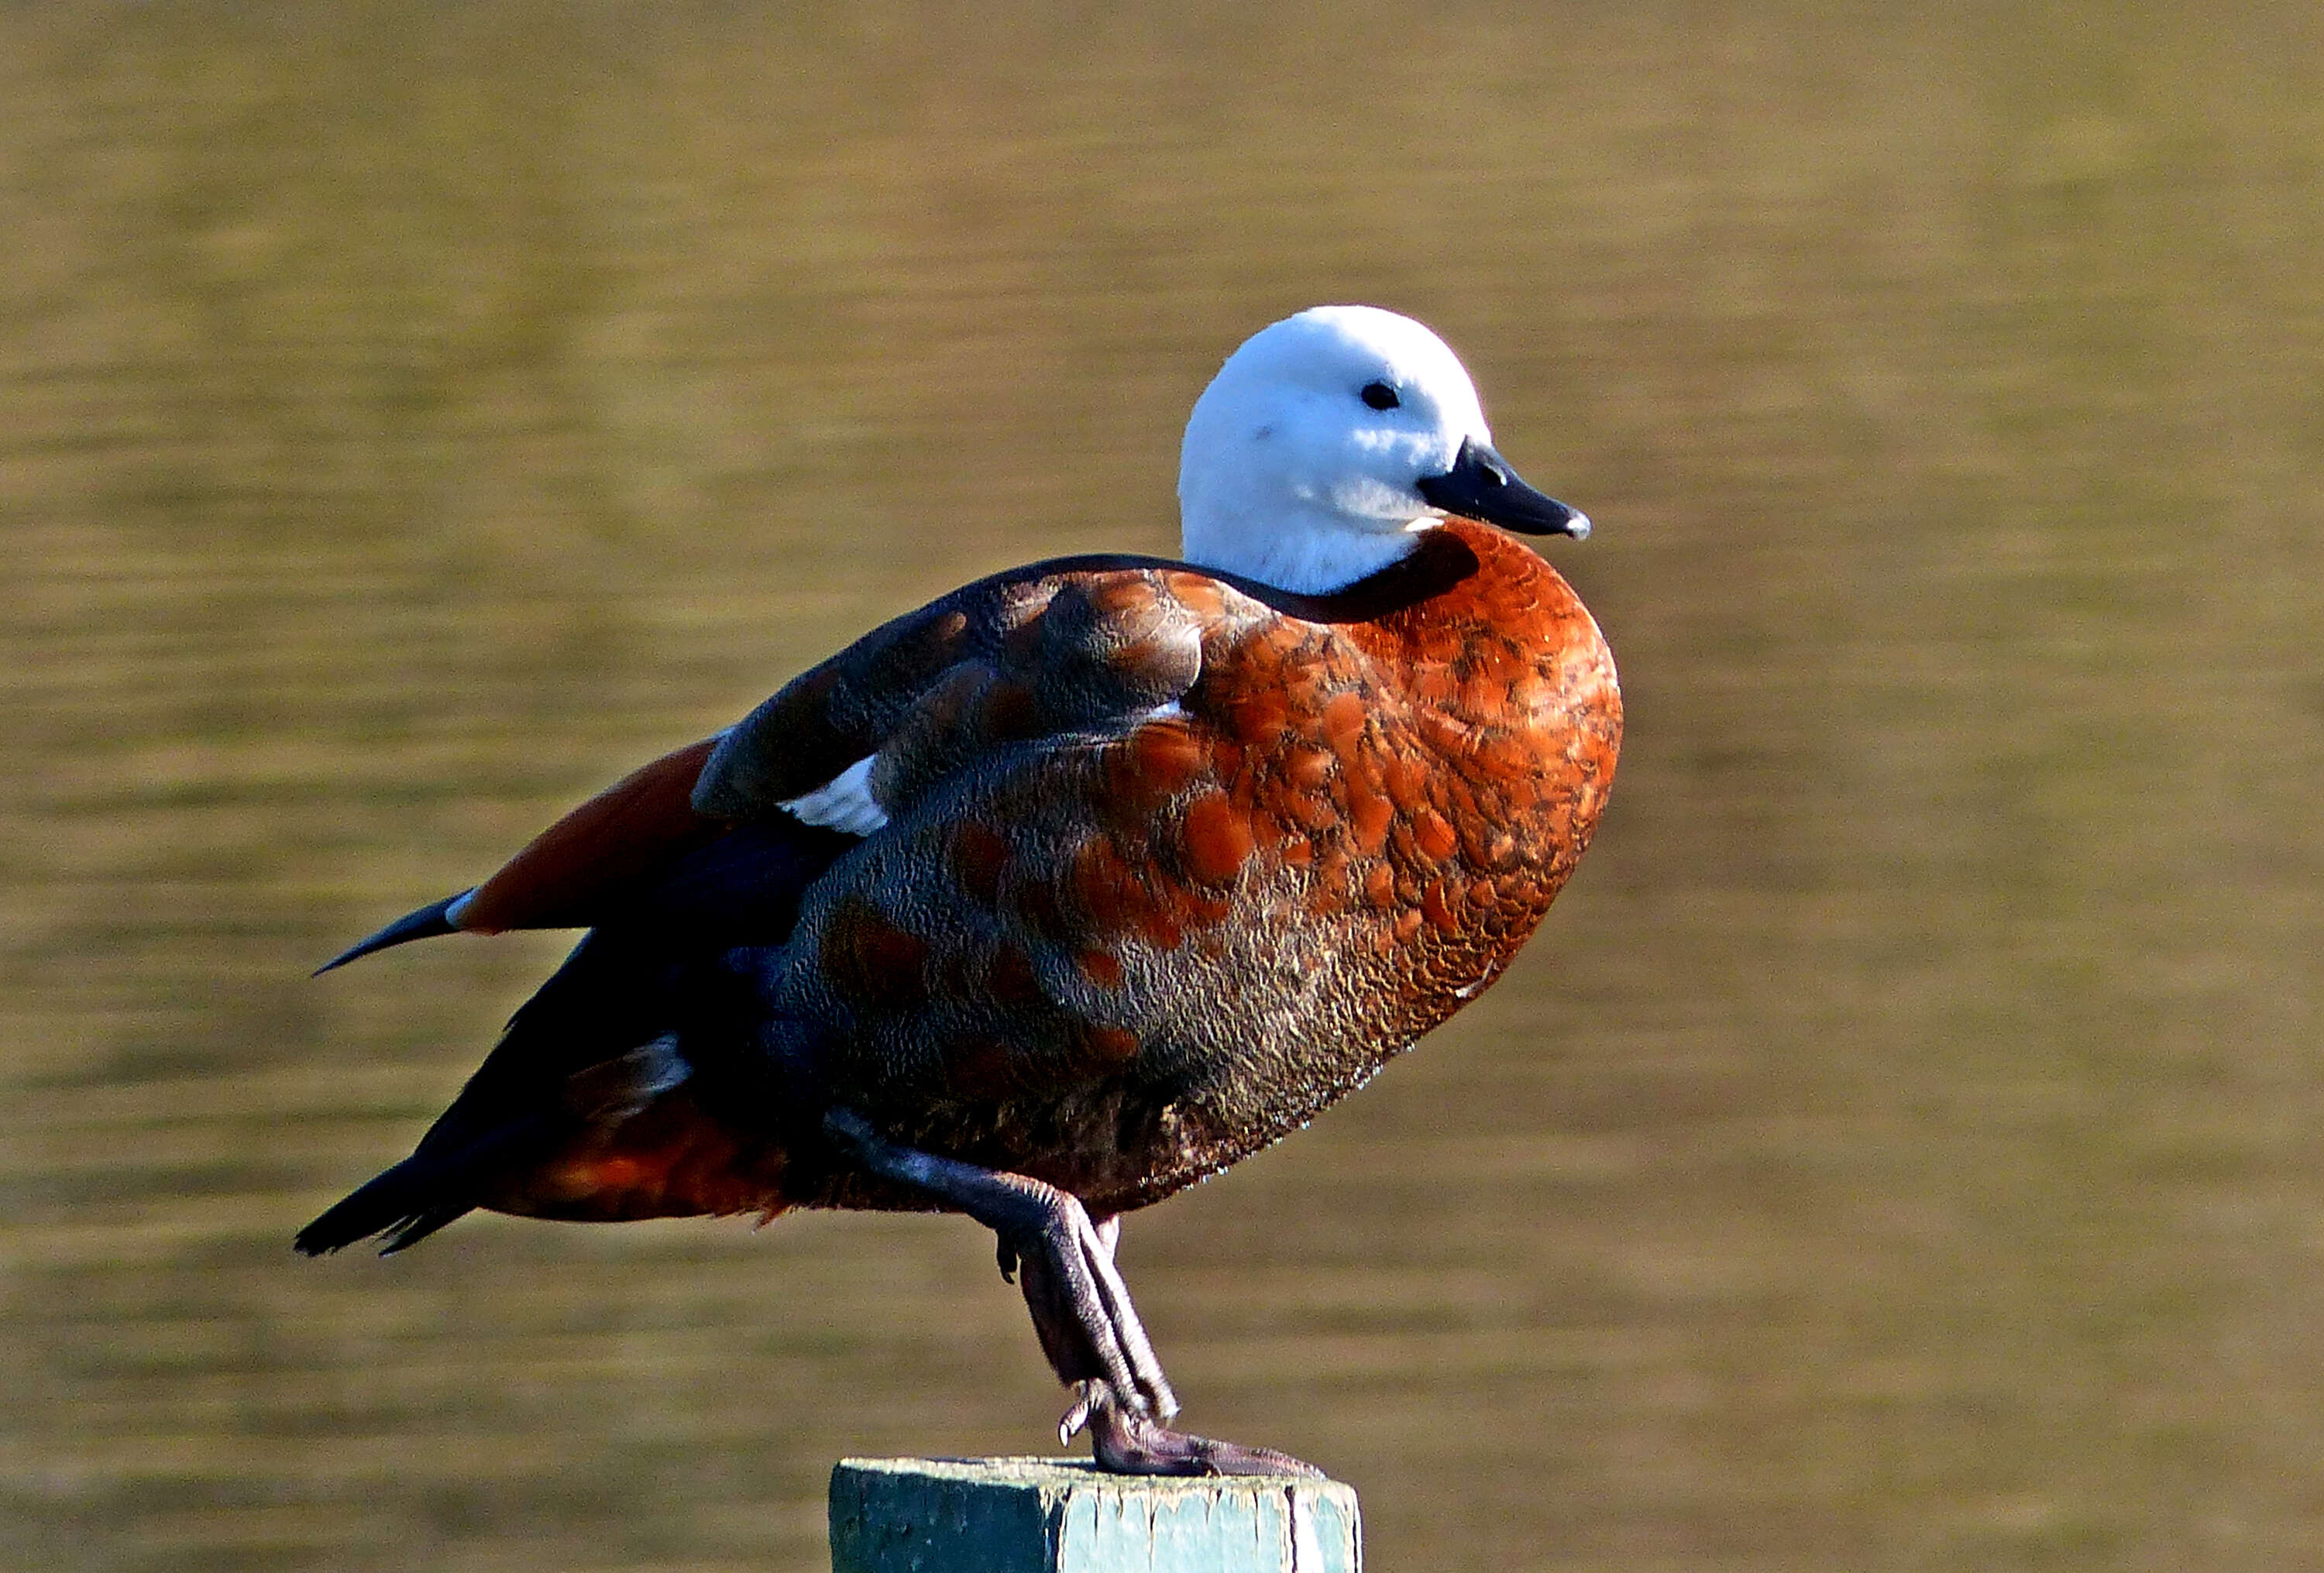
(1062, 1515)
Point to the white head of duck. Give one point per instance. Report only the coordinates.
(1330, 440)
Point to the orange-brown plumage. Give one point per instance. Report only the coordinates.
(566, 876)
(1088, 879)
(1393, 785)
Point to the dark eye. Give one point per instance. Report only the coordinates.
(1380, 396)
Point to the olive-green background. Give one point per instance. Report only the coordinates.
(1902, 1149)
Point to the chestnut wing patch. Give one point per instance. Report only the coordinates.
(564, 876)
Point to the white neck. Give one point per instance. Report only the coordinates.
(1312, 552)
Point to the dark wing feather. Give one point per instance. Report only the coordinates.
(1042, 658)
(1041, 651)
(426, 924)
(589, 863)
(659, 970)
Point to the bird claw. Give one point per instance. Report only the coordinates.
(1077, 1418)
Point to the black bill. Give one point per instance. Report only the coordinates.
(1481, 485)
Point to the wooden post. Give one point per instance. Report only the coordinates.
(1064, 1515)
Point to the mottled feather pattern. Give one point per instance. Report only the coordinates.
(1120, 951)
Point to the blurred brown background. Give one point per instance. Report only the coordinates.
(1901, 1148)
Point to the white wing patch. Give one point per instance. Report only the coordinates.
(844, 803)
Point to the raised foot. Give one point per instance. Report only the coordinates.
(1131, 1443)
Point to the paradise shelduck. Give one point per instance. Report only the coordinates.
(1075, 886)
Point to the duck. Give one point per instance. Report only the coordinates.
(1075, 886)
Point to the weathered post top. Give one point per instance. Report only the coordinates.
(1063, 1515)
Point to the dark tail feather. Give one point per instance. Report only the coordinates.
(387, 1206)
(423, 924)
(418, 1196)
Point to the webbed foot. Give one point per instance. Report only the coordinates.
(1128, 1442)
